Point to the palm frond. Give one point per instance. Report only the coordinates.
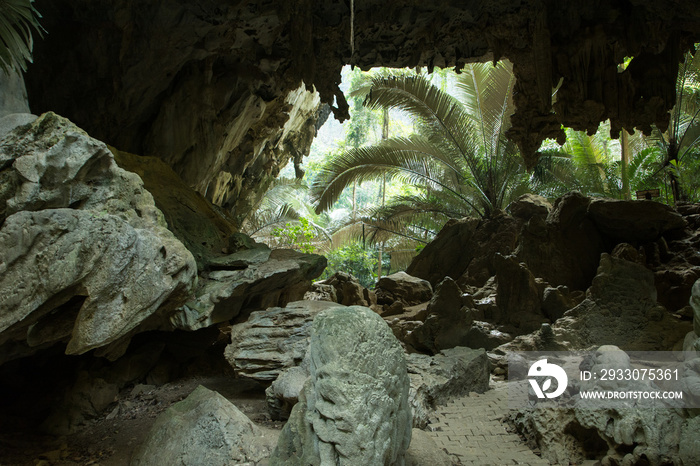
(18, 18)
(411, 160)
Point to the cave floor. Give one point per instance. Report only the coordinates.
(111, 439)
(469, 428)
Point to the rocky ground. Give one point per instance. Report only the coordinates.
(111, 438)
(122, 290)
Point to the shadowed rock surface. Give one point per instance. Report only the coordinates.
(204, 428)
(354, 407)
(224, 93)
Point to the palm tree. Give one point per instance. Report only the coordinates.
(283, 205)
(680, 143)
(17, 19)
(588, 164)
(458, 160)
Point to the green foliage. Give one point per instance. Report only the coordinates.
(17, 20)
(353, 259)
(458, 162)
(297, 236)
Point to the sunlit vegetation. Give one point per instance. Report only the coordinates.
(420, 149)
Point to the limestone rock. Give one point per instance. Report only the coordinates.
(627, 433)
(620, 309)
(283, 393)
(403, 287)
(275, 279)
(517, 292)
(689, 445)
(530, 205)
(565, 248)
(236, 274)
(465, 249)
(437, 379)
(354, 407)
(85, 257)
(204, 428)
(634, 221)
(273, 339)
(446, 255)
(447, 323)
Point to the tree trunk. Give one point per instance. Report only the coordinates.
(625, 160)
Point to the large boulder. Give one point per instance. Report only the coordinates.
(354, 407)
(85, 255)
(204, 428)
(564, 248)
(634, 221)
(236, 274)
(624, 432)
(530, 205)
(437, 379)
(447, 323)
(246, 281)
(517, 295)
(273, 339)
(620, 309)
(464, 250)
(402, 287)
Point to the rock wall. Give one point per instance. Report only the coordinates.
(224, 92)
(88, 259)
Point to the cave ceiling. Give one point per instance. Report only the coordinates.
(214, 88)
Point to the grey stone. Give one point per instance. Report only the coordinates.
(85, 257)
(403, 287)
(204, 428)
(530, 205)
(273, 339)
(273, 279)
(437, 379)
(634, 221)
(13, 93)
(12, 120)
(689, 447)
(354, 407)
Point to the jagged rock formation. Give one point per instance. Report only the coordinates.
(449, 374)
(630, 432)
(204, 428)
(216, 90)
(85, 256)
(620, 309)
(354, 407)
(599, 271)
(273, 339)
(89, 259)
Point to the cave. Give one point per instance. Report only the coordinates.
(125, 282)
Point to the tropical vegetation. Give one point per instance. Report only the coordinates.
(18, 20)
